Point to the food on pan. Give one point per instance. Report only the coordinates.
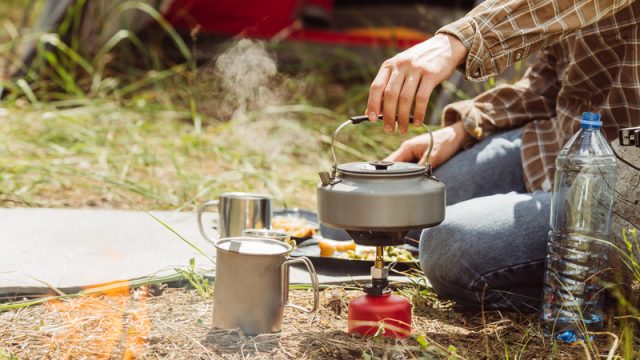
(391, 254)
(294, 226)
(343, 246)
(349, 250)
(329, 247)
(326, 249)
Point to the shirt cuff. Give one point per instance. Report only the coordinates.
(464, 111)
(479, 65)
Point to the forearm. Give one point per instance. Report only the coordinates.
(461, 136)
(458, 49)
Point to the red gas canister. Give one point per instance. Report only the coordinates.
(365, 313)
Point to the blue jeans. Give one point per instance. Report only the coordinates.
(490, 249)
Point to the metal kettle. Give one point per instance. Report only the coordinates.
(378, 202)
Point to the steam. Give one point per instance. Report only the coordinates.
(250, 88)
(248, 72)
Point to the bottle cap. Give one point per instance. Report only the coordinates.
(590, 120)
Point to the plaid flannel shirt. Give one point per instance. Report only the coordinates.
(588, 60)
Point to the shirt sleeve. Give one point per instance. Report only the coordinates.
(498, 33)
(509, 106)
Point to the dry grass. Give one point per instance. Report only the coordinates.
(153, 322)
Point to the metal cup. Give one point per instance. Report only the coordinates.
(237, 211)
(252, 284)
(270, 234)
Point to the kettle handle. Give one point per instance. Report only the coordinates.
(362, 118)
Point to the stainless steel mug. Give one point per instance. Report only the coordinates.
(252, 284)
(238, 211)
(270, 234)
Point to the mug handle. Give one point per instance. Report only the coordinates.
(314, 283)
(201, 210)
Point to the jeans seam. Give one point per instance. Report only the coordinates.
(474, 283)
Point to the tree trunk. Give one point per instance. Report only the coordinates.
(626, 217)
(627, 207)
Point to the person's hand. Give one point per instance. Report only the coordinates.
(447, 142)
(413, 73)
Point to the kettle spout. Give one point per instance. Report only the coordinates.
(325, 178)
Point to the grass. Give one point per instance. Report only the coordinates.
(197, 280)
(631, 254)
(78, 131)
(84, 156)
(154, 133)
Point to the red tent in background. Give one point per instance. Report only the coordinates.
(362, 25)
(282, 19)
(255, 18)
(308, 21)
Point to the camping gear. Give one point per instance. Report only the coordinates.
(366, 311)
(238, 211)
(581, 217)
(254, 18)
(629, 136)
(311, 249)
(312, 218)
(378, 203)
(252, 284)
(270, 234)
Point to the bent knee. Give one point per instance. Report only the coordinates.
(442, 259)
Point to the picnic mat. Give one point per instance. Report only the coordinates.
(72, 249)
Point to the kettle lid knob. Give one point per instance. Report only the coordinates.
(381, 164)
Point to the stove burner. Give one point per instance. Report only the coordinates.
(378, 238)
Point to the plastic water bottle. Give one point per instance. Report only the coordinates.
(581, 209)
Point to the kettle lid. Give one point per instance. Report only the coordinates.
(389, 168)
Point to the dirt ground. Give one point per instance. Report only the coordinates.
(166, 323)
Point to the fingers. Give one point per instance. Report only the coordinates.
(393, 92)
(401, 155)
(407, 94)
(376, 91)
(390, 100)
(422, 101)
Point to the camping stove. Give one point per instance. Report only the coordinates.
(379, 305)
(378, 203)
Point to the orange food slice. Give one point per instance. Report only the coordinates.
(329, 247)
(326, 248)
(343, 246)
